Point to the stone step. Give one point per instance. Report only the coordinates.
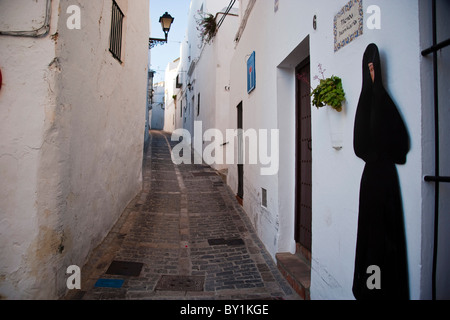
(297, 271)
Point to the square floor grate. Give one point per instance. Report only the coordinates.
(180, 283)
(124, 268)
(204, 174)
(231, 242)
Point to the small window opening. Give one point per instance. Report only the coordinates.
(264, 197)
(115, 42)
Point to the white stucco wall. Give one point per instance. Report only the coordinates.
(209, 66)
(172, 107)
(82, 139)
(336, 217)
(26, 99)
(212, 79)
(157, 122)
(336, 174)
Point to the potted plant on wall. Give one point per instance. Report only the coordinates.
(329, 92)
(207, 26)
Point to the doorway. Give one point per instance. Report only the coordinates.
(303, 162)
(240, 166)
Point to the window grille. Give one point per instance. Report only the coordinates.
(115, 43)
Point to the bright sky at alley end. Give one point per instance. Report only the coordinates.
(161, 55)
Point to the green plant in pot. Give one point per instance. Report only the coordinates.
(328, 92)
(207, 26)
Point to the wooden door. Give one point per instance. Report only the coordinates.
(303, 201)
(240, 125)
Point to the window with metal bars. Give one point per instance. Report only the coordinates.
(115, 41)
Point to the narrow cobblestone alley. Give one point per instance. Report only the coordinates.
(183, 237)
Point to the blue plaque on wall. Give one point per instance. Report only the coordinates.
(251, 74)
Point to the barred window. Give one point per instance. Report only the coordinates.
(115, 42)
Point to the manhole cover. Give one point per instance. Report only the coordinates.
(124, 268)
(180, 283)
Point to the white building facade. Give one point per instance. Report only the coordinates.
(288, 36)
(158, 106)
(171, 95)
(72, 127)
(250, 80)
(202, 78)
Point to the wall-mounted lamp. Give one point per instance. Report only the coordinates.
(166, 21)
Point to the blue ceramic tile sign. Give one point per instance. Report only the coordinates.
(251, 74)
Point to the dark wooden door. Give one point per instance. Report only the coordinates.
(240, 125)
(303, 201)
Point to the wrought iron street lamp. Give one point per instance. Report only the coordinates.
(166, 21)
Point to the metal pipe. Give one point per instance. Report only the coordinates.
(436, 47)
(39, 32)
(436, 179)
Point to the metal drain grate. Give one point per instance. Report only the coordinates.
(180, 283)
(231, 242)
(204, 174)
(235, 242)
(124, 268)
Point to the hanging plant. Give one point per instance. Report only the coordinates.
(329, 91)
(207, 26)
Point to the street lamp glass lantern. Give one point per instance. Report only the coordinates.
(166, 21)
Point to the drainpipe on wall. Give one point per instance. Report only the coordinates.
(39, 32)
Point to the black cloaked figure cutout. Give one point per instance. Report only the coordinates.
(382, 141)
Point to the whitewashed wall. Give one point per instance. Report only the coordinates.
(26, 100)
(157, 121)
(80, 123)
(280, 40)
(209, 65)
(172, 107)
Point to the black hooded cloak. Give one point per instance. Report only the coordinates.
(382, 141)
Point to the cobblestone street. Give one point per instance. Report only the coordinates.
(183, 237)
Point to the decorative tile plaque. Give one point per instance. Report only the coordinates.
(348, 24)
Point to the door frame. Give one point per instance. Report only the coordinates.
(240, 165)
(306, 251)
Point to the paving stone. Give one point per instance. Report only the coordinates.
(185, 224)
